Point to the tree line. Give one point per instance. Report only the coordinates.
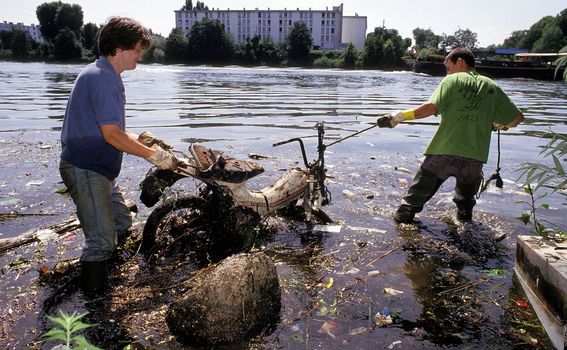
(549, 34)
(67, 38)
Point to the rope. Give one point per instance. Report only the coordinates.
(495, 176)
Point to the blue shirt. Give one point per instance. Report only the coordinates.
(96, 99)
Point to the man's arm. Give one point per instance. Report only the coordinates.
(425, 110)
(125, 141)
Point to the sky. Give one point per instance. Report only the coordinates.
(492, 20)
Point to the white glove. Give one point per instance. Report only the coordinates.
(148, 139)
(395, 118)
(163, 160)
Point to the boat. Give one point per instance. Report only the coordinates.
(539, 66)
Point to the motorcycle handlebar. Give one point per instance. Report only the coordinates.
(300, 145)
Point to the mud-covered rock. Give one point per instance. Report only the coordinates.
(229, 303)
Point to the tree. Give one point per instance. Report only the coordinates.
(514, 41)
(201, 6)
(188, 5)
(384, 48)
(269, 52)
(176, 46)
(562, 22)
(21, 44)
(461, 38)
(535, 32)
(373, 50)
(208, 42)
(247, 51)
(66, 45)
(156, 53)
(6, 38)
(299, 42)
(88, 36)
(425, 38)
(350, 56)
(550, 40)
(46, 14)
(69, 16)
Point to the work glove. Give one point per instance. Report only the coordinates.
(395, 118)
(499, 127)
(148, 139)
(162, 159)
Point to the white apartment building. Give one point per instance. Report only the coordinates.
(354, 30)
(32, 29)
(326, 26)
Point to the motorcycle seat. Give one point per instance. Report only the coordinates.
(217, 167)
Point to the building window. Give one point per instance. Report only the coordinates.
(290, 22)
(332, 30)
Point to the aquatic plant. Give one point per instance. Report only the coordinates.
(541, 177)
(68, 326)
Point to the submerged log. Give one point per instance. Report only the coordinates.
(33, 235)
(233, 301)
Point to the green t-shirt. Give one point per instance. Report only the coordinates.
(468, 103)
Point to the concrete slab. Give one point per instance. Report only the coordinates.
(541, 267)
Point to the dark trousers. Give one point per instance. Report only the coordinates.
(431, 175)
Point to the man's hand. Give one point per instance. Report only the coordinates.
(163, 160)
(498, 127)
(148, 139)
(390, 121)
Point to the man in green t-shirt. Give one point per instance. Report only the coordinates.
(470, 106)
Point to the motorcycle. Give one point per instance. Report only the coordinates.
(225, 192)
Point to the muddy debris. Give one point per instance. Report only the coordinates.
(228, 303)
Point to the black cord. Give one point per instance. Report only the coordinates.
(496, 176)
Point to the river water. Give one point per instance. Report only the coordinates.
(245, 110)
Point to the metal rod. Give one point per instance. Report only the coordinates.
(356, 133)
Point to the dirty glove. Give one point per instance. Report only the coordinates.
(498, 127)
(163, 160)
(148, 139)
(395, 118)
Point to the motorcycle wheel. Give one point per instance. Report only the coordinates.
(174, 224)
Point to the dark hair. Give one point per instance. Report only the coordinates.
(121, 33)
(463, 53)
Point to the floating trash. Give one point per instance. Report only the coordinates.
(403, 170)
(45, 235)
(383, 320)
(349, 195)
(330, 327)
(358, 330)
(394, 344)
(327, 228)
(352, 271)
(393, 292)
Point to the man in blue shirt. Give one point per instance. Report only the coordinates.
(94, 138)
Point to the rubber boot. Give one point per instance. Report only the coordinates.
(465, 199)
(93, 276)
